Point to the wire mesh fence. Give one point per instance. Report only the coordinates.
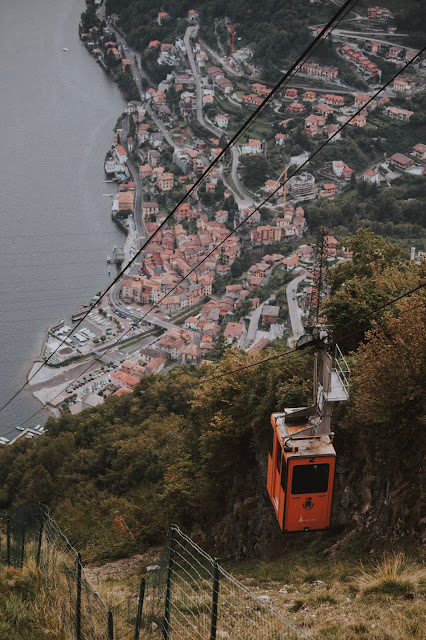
(187, 596)
(33, 535)
(204, 602)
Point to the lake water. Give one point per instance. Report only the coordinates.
(58, 110)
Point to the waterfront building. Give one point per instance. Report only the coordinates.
(120, 154)
(126, 200)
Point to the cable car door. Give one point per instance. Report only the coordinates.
(309, 493)
(275, 481)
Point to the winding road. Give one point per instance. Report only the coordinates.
(243, 198)
(254, 323)
(294, 309)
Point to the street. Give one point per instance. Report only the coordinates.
(254, 323)
(294, 309)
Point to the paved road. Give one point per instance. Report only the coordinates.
(356, 35)
(294, 310)
(254, 323)
(140, 225)
(220, 60)
(191, 32)
(246, 201)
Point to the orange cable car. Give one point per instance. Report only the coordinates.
(301, 461)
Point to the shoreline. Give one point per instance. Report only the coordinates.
(39, 385)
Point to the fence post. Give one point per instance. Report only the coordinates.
(215, 599)
(110, 626)
(78, 600)
(7, 540)
(22, 557)
(40, 539)
(140, 607)
(168, 605)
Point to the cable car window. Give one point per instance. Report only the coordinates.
(284, 475)
(278, 460)
(271, 445)
(310, 478)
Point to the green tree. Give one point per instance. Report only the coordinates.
(255, 171)
(376, 275)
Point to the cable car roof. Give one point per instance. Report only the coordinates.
(312, 447)
(301, 434)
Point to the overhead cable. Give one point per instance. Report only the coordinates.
(254, 211)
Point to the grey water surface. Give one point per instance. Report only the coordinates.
(57, 113)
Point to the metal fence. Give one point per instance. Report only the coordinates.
(204, 602)
(187, 596)
(82, 612)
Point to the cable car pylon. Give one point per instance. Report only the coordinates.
(302, 459)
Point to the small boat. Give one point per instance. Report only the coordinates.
(65, 49)
(108, 258)
(108, 195)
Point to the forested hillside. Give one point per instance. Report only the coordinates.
(396, 213)
(176, 450)
(277, 29)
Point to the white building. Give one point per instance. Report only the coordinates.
(222, 120)
(338, 167)
(252, 146)
(120, 154)
(371, 176)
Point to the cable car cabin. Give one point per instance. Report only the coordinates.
(300, 472)
(302, 459)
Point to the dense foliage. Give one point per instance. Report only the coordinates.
(397, 213)
(168, 452)
(177, 450)
(276, 29)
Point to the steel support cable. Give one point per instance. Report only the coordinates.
(235, 229)
(293, 69)
(251, 214)
(384, 221)
(264, 202)
(287, 353)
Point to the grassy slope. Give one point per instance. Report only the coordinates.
(26, 610)
(333, 597)
(331, 593)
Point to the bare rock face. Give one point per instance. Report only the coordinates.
(386, 510)
(137, 563)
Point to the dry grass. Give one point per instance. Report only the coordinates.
(394, 575)
(337, 598)
(328, 597)
(40, 602)
(27, 610)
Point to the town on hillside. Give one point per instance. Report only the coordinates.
(229, 269)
